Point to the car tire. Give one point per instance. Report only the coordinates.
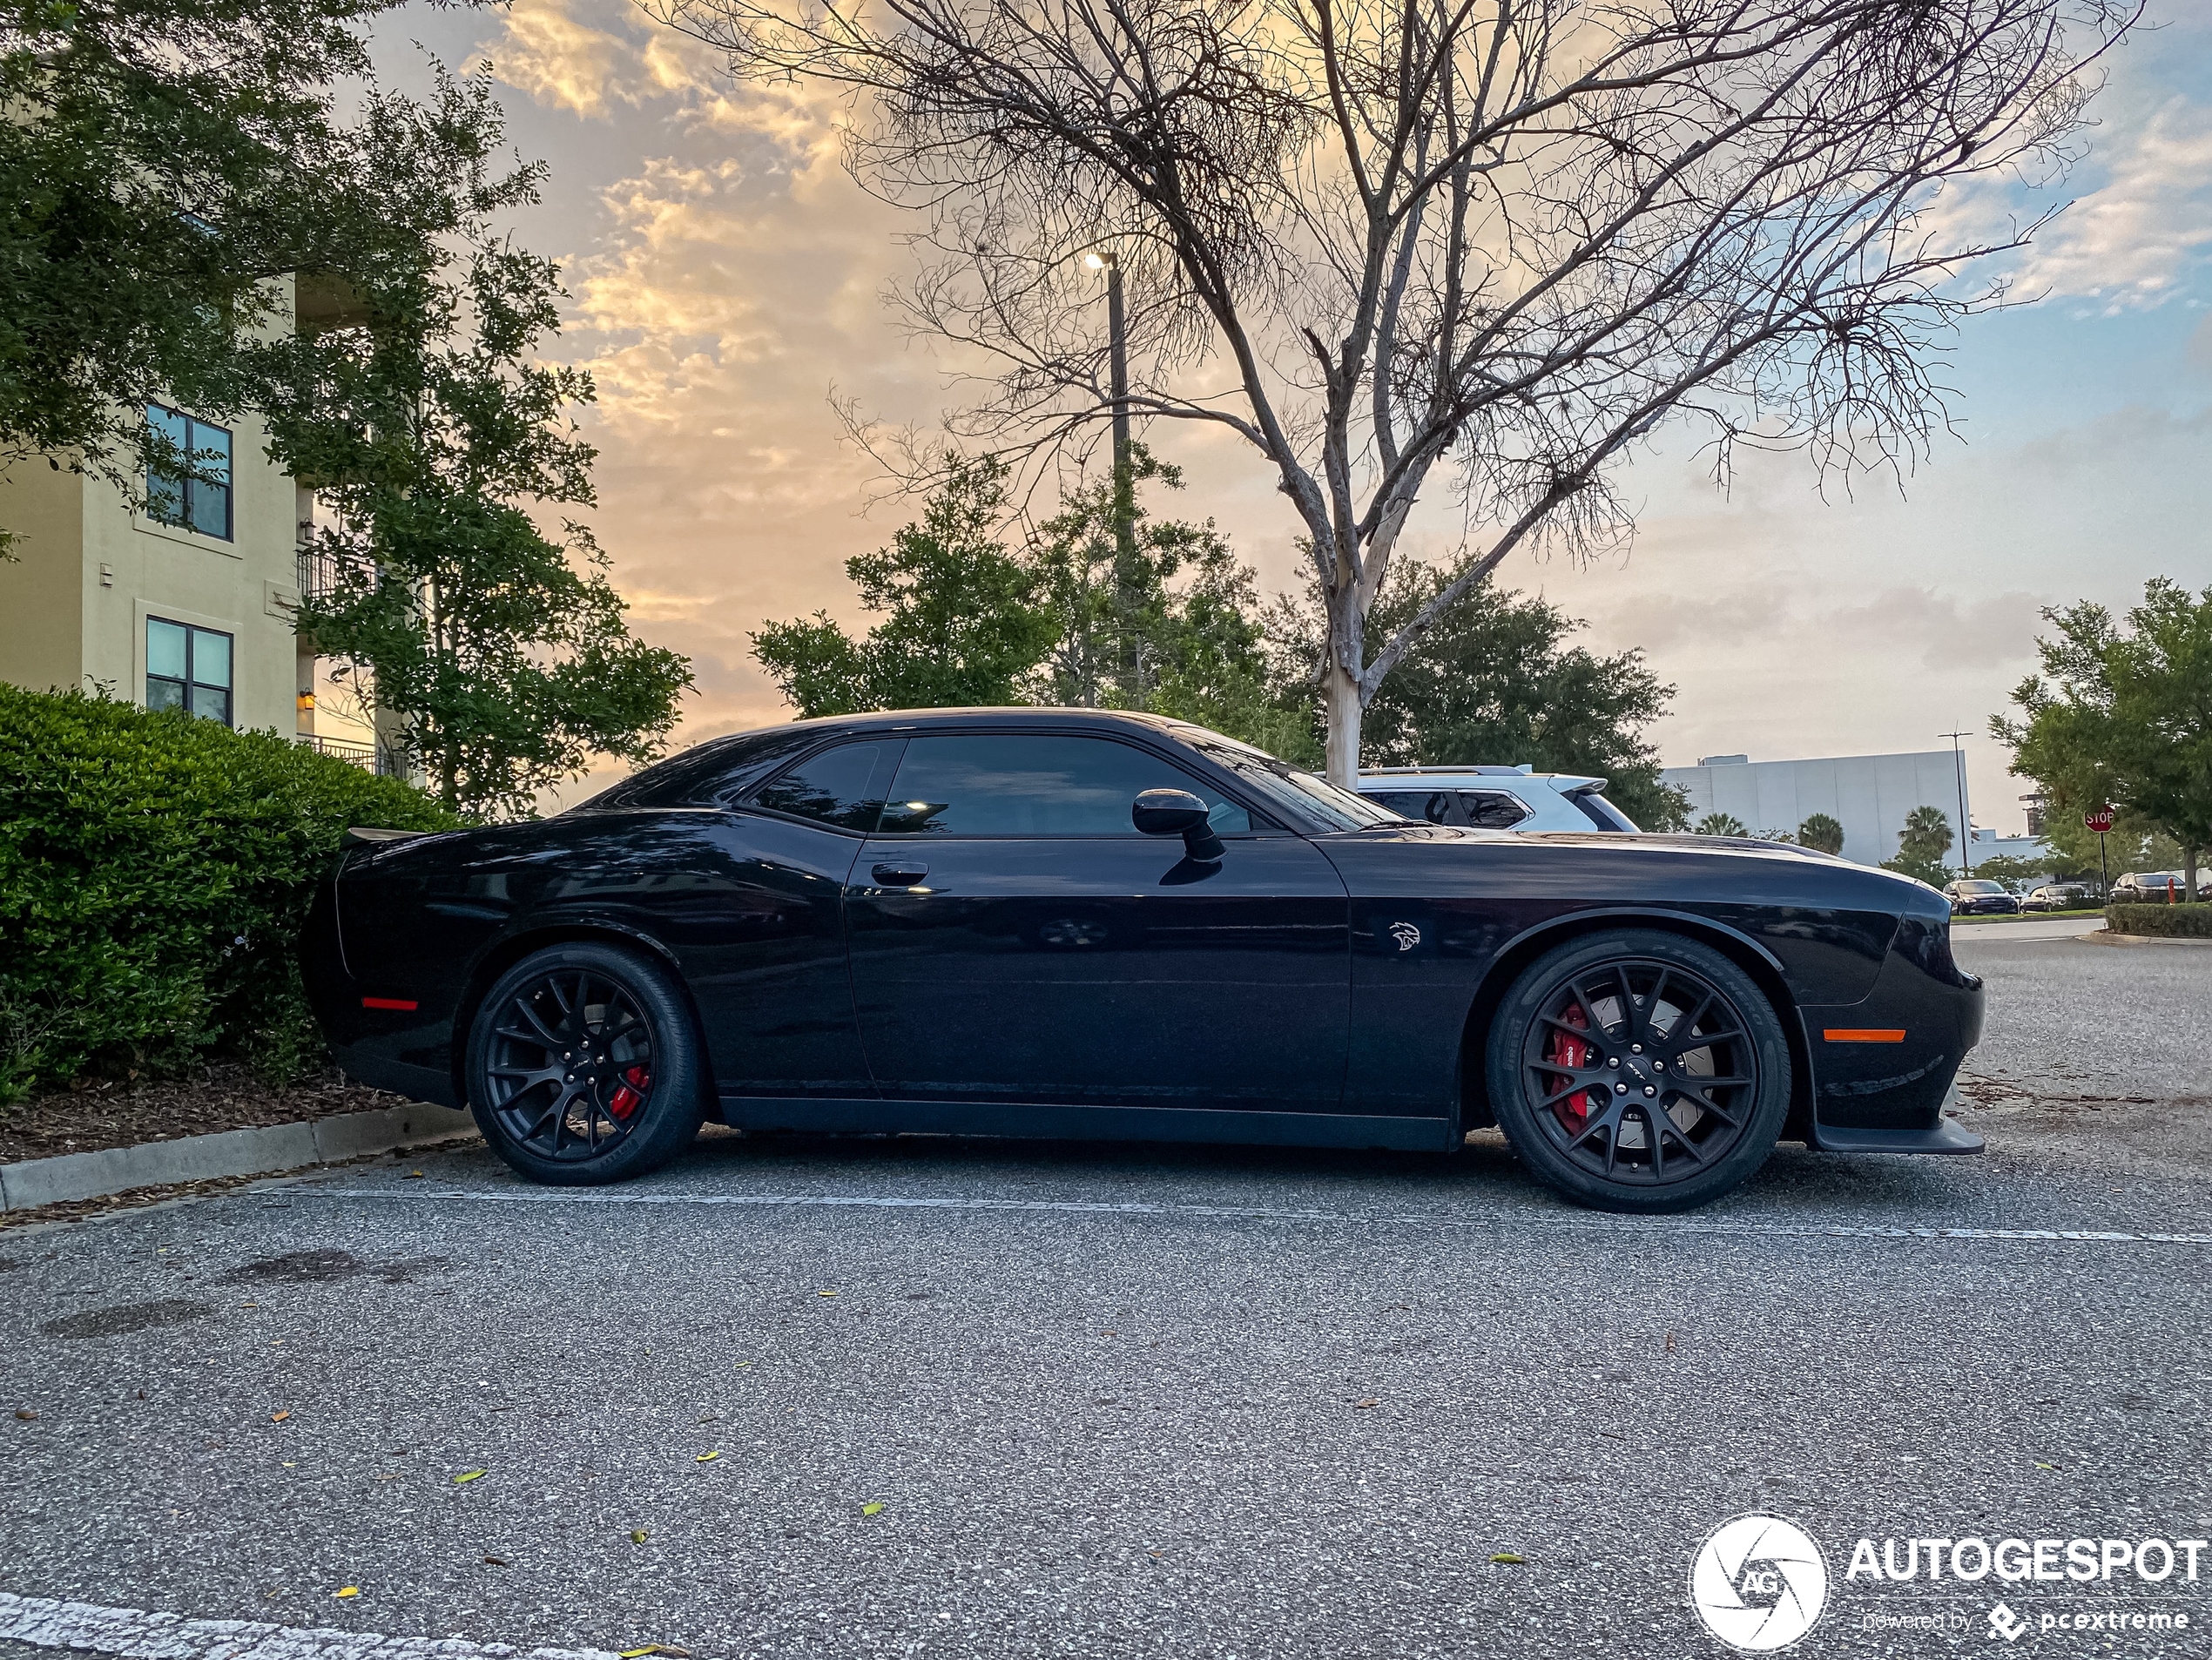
(1683, 1082)
(585, 1066)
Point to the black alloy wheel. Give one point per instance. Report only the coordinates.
(583, 1067)
(1639, 1072)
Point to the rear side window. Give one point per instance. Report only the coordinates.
(1436, 806)
(1601, 812)
(843, 787)
(1493, 809)
(1034, 785)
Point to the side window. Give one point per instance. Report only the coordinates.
(842, 786)
(1034, 785)
(1493, 809)
(188, 668)
(1601, 812)
(1435, 805)
(194, 489)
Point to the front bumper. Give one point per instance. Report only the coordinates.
(1882, 1069)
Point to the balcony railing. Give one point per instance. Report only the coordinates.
(319, 573)
(345, 749)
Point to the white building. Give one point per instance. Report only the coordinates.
(1869, 795)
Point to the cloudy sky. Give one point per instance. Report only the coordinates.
(726, 279)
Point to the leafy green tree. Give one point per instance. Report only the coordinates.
(1172, 624)
(964, 621)
(2009, 868)
(160, 160)
(1720, 824)
(2125, 716)
(1821, 832)
(500, 652)
(1921, 846)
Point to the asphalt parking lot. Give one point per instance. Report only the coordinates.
(1137, 1401)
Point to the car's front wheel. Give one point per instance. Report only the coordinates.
(583, 1066)
(1638, 1070)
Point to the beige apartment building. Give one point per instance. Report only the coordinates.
(184, 599)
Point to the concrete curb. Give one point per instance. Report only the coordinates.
(2109, 937)
(232, 1152)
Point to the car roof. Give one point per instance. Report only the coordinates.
(1482, 778)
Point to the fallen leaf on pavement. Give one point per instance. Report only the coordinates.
(413, 1176)
(279, 1417)
(496, 1562)
(2040, 1465)
(874, 1507)
(1370, 1401)
(1512, 1559)
(707, 1458)
(466, 1476)
(27, 1417)
(638, 1536)
(825, 1293)
(348, 1590)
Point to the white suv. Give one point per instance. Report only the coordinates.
(1494, 797)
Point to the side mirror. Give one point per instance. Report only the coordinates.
(1177, 812)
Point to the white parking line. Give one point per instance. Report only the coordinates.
(141, 1636)
(1629, 1226)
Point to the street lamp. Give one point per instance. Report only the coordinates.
(1124, 470)
(1966, 830)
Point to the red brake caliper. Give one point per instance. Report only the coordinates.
(630, 1092)
(1567, 1051)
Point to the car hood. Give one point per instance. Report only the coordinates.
(1729, 862)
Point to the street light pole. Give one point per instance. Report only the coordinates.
(1124, 479)
(1966, 830)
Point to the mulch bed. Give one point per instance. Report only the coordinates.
(223, 1096)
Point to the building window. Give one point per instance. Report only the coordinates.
(195, 492)
(188, 668)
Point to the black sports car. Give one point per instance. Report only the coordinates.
(1070, 923)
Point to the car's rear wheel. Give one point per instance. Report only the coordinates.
(583, 1066)
(1638, 1070)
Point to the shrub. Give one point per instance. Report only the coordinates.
(154, 873)
(2184, 922)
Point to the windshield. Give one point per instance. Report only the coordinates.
(1981, 887)
(1307, 797)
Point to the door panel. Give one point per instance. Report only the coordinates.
(763, 949)
(1102, 971)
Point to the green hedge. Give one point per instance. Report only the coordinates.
(2184, 922)
(154, 873)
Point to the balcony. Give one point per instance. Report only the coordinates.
(322, 574)
(345, 749)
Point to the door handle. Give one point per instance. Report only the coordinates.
(900, 875)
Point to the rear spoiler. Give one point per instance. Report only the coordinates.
(370, 838)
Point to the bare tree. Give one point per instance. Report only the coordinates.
(1481, 247)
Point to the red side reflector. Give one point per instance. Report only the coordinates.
(387, 1002)
(1865, 1034)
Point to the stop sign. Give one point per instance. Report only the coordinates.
(2098, 822)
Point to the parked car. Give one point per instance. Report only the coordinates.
(2152, 886)
(2059, 896)
(1115, 926)
(1981, 896)
(1494, 797)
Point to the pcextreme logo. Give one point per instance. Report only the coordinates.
(1759, 1583)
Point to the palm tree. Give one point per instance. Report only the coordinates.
(1822, 833)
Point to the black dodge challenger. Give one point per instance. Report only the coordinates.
(1076, 923)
